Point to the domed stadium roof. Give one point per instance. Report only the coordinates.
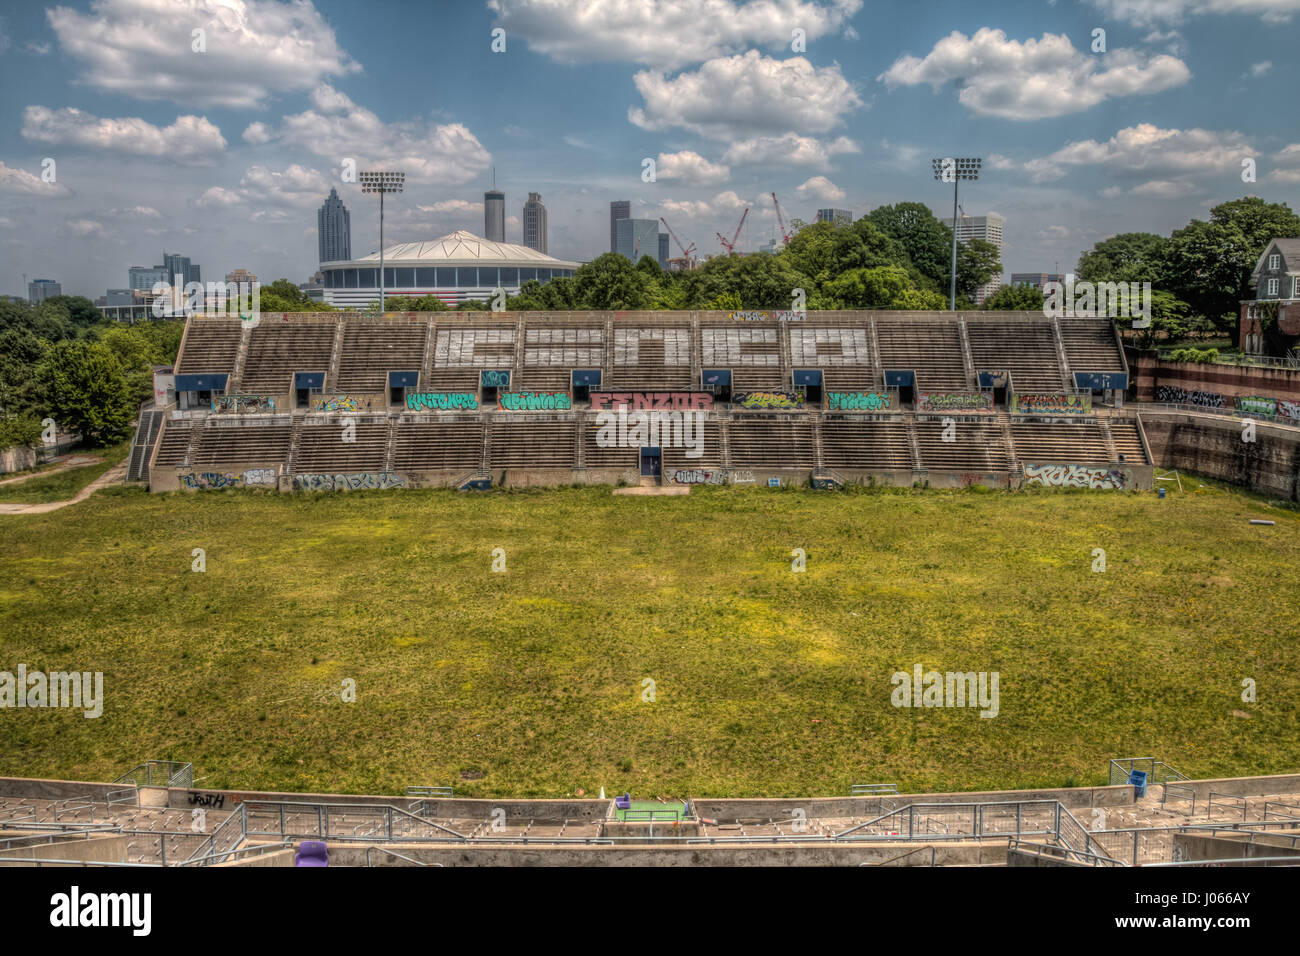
(463, 246)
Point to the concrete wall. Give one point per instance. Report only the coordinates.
(1212, 445)
(95, 849)
(1191, 847)
(1148, 372)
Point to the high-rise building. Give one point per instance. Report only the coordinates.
(38, 290)
(334, 229)
(637, 238)
(535, 223)
(1035, 279)
(240, 275)
(844, 216)
(143, 278)
(619, 209)
(179, 271)
(988, 228)
(494, 216)
(663, 250)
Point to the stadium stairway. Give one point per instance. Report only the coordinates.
(142, 445)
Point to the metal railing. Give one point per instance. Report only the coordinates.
(1174, 791)
(1235, 861)
(224, 840)
(873, 789)
(400, 856)
(1287, 811)
(1064, 853)
(242, 852)
(159, 773)
(1291, 360)
(429, 792)
(1231, 800)
(1156, 771)
(1224, 411)
(903, 856)
(324, 821)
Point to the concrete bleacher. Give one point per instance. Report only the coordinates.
(634, 352)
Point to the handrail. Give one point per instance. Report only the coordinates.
(400, 856)
(1286, 860)
(892, 859)
(227, 854)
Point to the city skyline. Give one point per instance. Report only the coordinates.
(227, 152)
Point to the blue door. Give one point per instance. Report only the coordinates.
(651, 462)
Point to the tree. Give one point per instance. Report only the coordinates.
(283, 296)
(83, 387)
(1127, 257)
(760, 282)
(919, 300)
(1015, 298)
(978, 261)
(876, 288)
(79, 310)
(1170, 317)
(611, 282)
(1208, 264)
(926, 241)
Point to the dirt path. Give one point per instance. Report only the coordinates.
(112, 476)
(76, 461)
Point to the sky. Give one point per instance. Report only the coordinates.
(215, 128)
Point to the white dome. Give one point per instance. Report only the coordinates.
(464, 246)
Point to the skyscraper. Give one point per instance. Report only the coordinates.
(535, 223)
(663, 250)
(835, 215)
(180, 272)
(637, 237)
(334, 229)
(619, 209)
(38, 290)
(494, 216)
(143, 278)
(988, 228)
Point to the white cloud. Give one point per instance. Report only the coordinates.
(746, 94)
(723, 202)
(138, 212)
(690, 168)
(1260, 69)
(665, 33)
(1034, 79)
(337, 127)
(1163, 189)
(453, 207)
(216, 197)
(258, 134)
(1146, 148)
(254, 49)
(13, 180)
(191, 139)
(819, 187)
(788, 150)
(1150, 12)
(292, 186)
(85, 228)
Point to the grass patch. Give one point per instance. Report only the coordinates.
(766, 682)
(64, 484)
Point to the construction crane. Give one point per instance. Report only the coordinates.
(687, 261)
(780, 219)
(731, 246)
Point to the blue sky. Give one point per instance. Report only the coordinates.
(224, 154)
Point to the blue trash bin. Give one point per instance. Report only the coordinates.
(1139, 780)
(1160, 492)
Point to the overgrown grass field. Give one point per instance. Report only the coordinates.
(766, 681)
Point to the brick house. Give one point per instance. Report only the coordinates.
(1276, 281)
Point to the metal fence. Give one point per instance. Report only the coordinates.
(159, 773)
(1156, 771)
(1225, 799)
(873, 789)
(325, 821)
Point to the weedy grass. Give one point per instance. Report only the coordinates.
(766, 682)
(64, 484)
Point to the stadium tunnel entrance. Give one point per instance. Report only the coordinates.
(305, 385)
(905, 381)
(717, 382)
(651, 462)
(584, 380)
(398, 383)
(198, 391)
(810, 380)
(491, 381)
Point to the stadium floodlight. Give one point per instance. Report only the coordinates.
(952, 170)
(381, 182)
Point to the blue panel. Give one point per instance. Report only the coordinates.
(588, 377)
(308, 380)
(494, 378)
(403, 379)
(1101, 380)
(993, 379)
(716, 376)
(899, 378)
(201, 383)
(807, 377)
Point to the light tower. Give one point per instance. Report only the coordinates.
(953, 170)
(381, 182)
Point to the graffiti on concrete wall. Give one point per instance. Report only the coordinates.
(1173, 395)
(1286, 409)
(494, 378)
(787, 315)
(534, 401)
(1051, 403)
(243, 404)
(858, 401)
(967, 402)
(710, 476)
(353, 482)
(339, 403)
(441, 401)
(652, 401)
(768, 400)
(1256, 405)
(259, 476)
(209, 479)
(1077, 476)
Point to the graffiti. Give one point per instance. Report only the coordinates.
(494, 378)
(1255, 405)
(996, 379)
(259, 476)
(857, 401)
(1286, 409)
(243, 404)
(354, 482)
(1173, 395)
(699, 476)
(1051, 403)
(533, 402)
(780, 400)
(977, 402)
(441, 401)
(1077, 476)
(214, 800)
(209, 479)
(339, 403)
(785, 316)
(742, 477)
(652, 401)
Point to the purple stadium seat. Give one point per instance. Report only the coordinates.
(311, 853)
(624, 802)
